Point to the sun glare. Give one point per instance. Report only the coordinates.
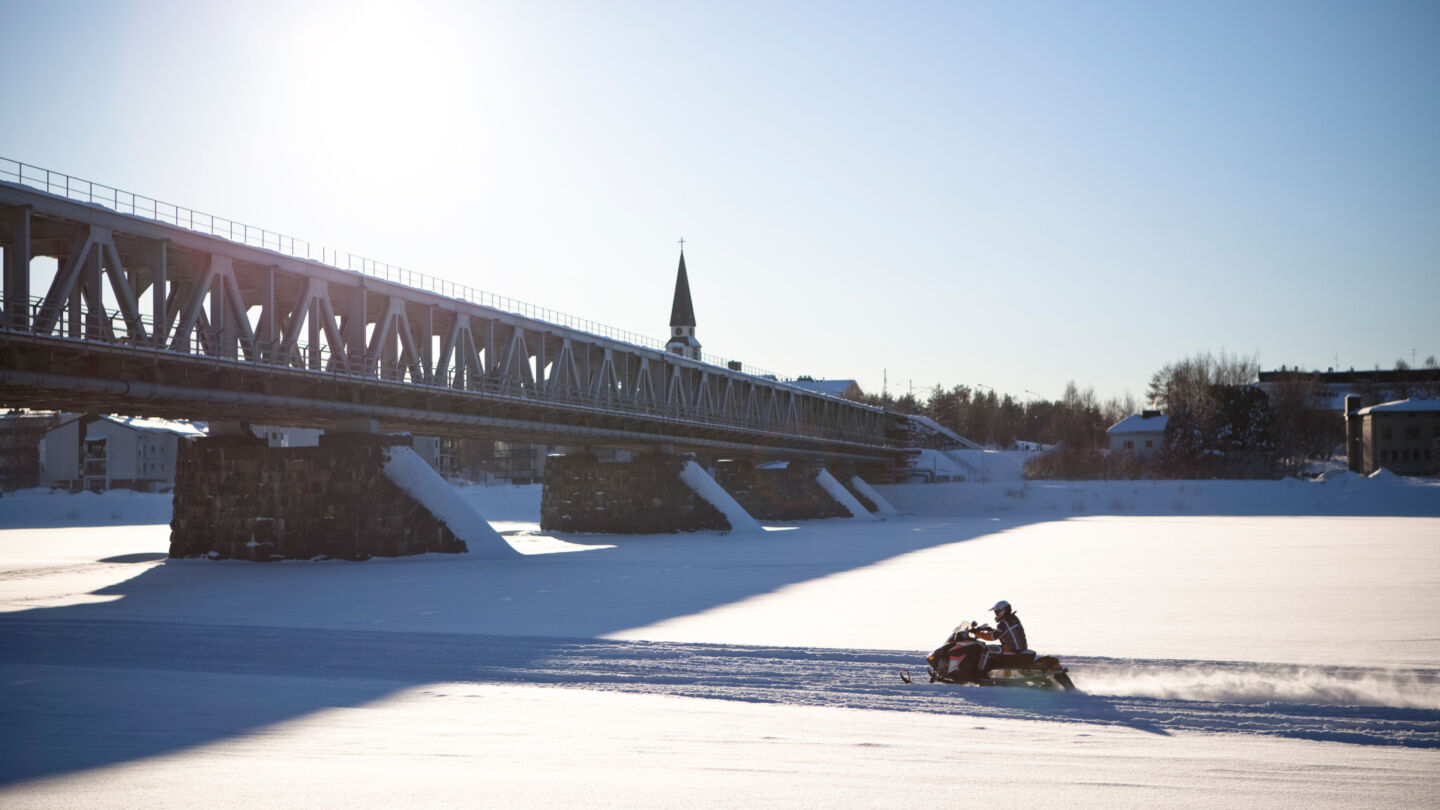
(374, 81)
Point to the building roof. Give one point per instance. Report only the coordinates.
(834, 388)
(182, 429)
(188, 430)
(1402, 406)
(682, 312)
(1140, 423)
(1373, 377)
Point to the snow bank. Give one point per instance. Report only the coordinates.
(408, 471)
(876, 498)
(973, 465)
(1345, 494)
(697, 479)
(842, 495)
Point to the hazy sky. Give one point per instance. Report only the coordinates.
(1005, 194)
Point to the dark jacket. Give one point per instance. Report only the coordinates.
(1010, 634)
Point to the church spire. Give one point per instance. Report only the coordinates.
(682, 316)
(682, 312)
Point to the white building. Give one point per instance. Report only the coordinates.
(279, 436)
(113, 452)
(437, 452)
(1142, 434)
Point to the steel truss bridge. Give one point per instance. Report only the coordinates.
(153, 309)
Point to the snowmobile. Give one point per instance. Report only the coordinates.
(965, 659)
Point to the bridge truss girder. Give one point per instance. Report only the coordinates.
(139, 316)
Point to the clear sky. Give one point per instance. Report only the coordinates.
(1006, 194)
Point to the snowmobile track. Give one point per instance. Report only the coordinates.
(857, 679)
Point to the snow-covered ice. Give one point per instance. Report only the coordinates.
(1246, 644)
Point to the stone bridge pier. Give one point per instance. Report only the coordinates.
(355, 496)
(360, 494)
(665, 492)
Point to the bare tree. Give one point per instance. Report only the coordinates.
(1189, 383)
(1117, 408)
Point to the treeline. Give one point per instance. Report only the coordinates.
(1002, 421)
(1221, 424)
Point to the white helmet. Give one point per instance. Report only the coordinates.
(1002, 608)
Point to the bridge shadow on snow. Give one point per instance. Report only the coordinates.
(355, 632)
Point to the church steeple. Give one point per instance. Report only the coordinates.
(682, 316)
(682, 312)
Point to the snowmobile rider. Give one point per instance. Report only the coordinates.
(1008, 632)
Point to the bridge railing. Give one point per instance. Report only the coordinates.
(320, 359)
(126, 202)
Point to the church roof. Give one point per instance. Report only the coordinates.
(682, 312)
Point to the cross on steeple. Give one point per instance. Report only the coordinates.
(682, 244)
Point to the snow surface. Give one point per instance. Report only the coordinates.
(975, 465)
(1239, 644)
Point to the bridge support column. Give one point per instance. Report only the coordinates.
(16, 313)
(779, 490)
(236, 498)
(643, 496)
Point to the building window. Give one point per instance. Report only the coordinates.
(1149, 444)
(1129, 444)
(1385, 432)
(1412, 431)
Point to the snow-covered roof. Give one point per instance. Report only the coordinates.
(834, 388)
(1140, 423)
(18, 416)
(184, 429)
(1402, 406)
